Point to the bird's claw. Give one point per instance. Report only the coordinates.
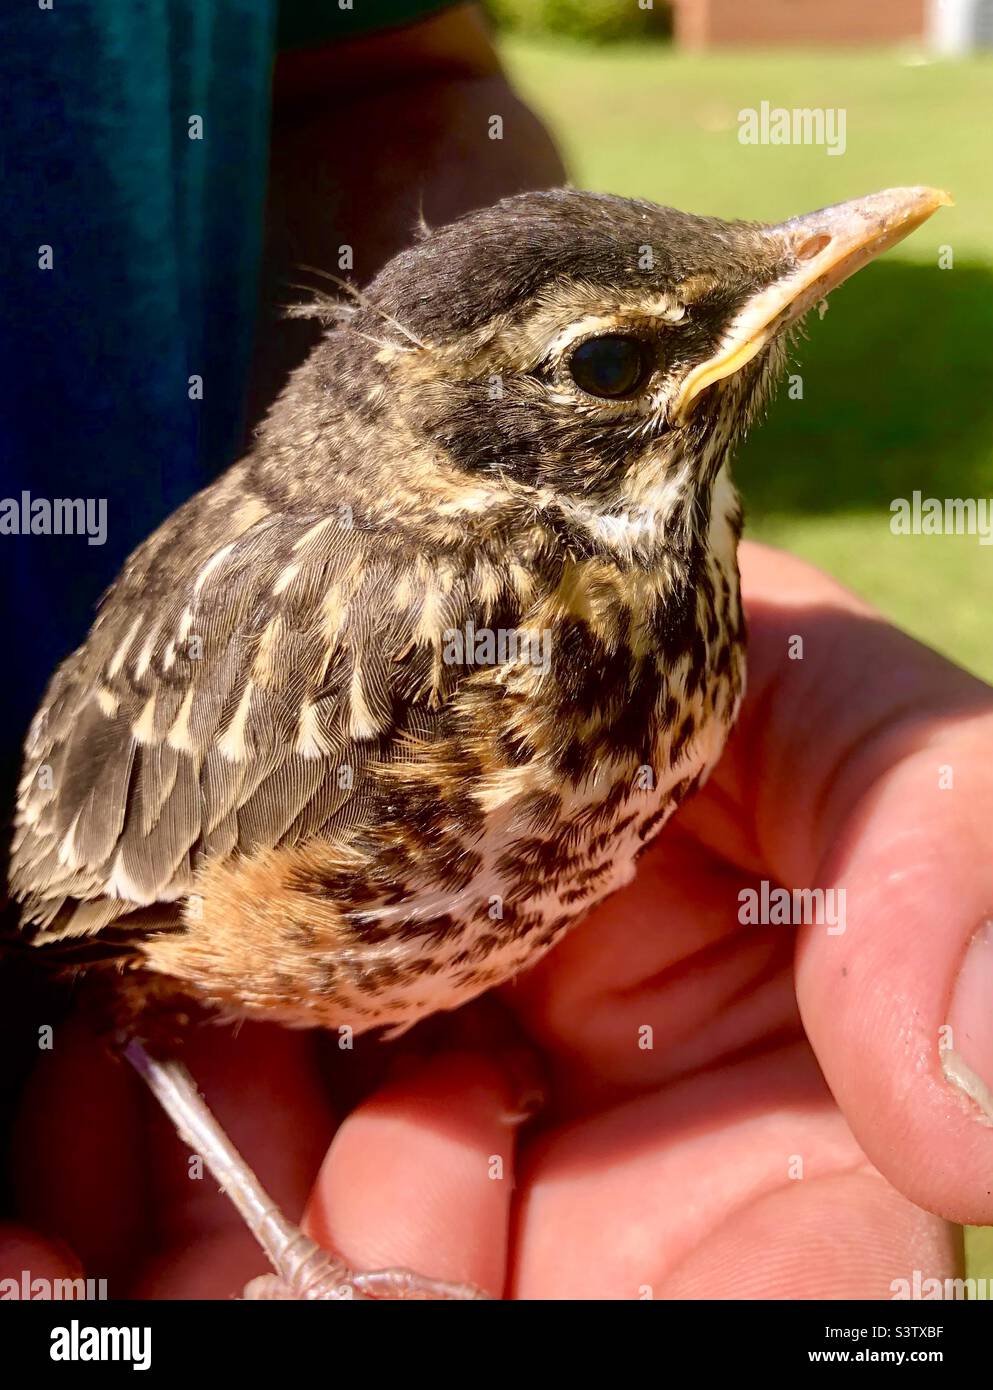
(380, 1284)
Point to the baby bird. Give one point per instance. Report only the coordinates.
(368, 724)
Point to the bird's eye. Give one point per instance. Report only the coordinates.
(612, 365)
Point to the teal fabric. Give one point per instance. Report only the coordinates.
(155, 247)
(155, 242)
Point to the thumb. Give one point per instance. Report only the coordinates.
(421, 1174)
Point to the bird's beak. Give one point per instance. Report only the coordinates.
(824, 248)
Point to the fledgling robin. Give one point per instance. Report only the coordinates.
(369, 723)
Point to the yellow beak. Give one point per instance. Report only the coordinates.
(828, 246)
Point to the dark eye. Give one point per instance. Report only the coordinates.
(612, 365)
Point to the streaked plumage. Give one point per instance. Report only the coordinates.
(261, 782)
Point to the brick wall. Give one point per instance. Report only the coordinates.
(701, 23)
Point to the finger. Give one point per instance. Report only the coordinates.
(78, 1152)
(701, 1189)
(612, 1204)
(849, 1235)
(421, 1174)
(870, 776)
(913, 973)
(34, 1267)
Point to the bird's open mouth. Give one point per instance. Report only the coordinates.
(827, 246)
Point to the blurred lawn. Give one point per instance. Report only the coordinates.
(898, 378)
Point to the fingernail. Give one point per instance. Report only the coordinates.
(525, 1104)
(527, 1092)
(967, 1061)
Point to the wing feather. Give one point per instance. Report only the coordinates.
(228, 699)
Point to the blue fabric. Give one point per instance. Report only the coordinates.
(155, 245)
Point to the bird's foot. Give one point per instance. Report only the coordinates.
(306, 1272)
(338, 1282)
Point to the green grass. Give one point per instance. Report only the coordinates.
(898, 378)
(979, 1252)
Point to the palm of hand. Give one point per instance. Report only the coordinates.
(692, 1147)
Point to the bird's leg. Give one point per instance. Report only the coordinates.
(303, 1269)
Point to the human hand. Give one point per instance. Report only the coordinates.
(717, 1163)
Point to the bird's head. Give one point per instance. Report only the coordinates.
(593, 356)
